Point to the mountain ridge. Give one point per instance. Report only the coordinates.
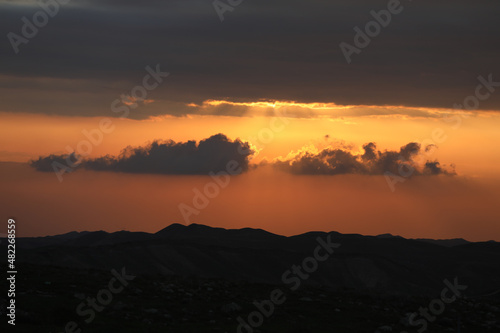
(388, 264)
(178, 229)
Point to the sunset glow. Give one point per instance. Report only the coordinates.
(250, 166)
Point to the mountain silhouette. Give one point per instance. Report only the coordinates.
(385, 264)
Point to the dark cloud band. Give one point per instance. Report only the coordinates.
(429, 56)
(331, 161)
(168, 157)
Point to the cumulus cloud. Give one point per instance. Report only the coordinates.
(336, 161)
(163, 157)
(214, 153)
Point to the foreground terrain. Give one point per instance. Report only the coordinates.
(201, 279)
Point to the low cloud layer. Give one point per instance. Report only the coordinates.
(409, 160)
(272, 50)
(163, 157)
(215, 153)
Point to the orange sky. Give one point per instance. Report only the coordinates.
(274, 75)
(433, 207)
(470, 143)
(437, 207)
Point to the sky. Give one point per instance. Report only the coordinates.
(369, 117)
